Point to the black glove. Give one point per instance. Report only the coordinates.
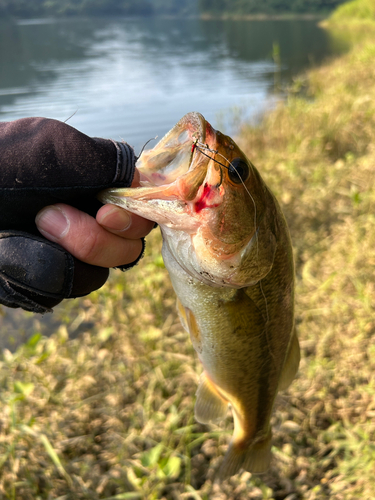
(44, 162)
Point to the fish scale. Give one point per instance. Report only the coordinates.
(228, 252)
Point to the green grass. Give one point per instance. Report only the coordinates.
(356, 9)
(352, 21)
(103, 409)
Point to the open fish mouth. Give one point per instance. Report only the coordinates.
(172, 157)
(170, 175)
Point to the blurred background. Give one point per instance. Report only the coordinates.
(97, 399)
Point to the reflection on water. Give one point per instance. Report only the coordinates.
(134, 79)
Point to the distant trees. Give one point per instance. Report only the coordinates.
(266, 6)
(34, 8)
(174, 7)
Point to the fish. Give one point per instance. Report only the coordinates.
(228, 251)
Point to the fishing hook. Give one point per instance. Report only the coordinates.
(152, 139)
(198, 145)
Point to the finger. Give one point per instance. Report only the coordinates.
(119, 221)
(83, 237)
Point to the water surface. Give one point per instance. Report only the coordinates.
(134, 79)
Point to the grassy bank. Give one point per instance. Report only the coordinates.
(104, 408)
(357, 10)
(353, 21)
(265, 17)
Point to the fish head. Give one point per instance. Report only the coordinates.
(210, 202)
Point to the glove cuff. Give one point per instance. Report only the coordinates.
(125, 167)
(125, 267)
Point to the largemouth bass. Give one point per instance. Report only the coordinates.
(227, 249)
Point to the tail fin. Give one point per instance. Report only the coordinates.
(255, 459)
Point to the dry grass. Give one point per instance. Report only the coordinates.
(103, 409)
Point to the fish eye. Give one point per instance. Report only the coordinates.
(238, 171)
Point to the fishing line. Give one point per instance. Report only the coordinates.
(198, 145)
(252, 199)
(268, 319)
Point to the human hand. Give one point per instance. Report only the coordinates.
(113, 239)
(51, 173)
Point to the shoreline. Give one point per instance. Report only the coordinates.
(203, 17)
(264, 17)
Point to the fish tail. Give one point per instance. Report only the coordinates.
(255, 458)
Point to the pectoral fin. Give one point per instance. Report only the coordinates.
(182, 314)
(190, 324)
(210, 406)
(291, 363)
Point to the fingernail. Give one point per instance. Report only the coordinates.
(116, 218)
(53, 222)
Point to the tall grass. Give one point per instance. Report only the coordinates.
(103, 409)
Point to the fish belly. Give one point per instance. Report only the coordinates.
(234, 344)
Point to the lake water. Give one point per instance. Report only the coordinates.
(134, 79)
